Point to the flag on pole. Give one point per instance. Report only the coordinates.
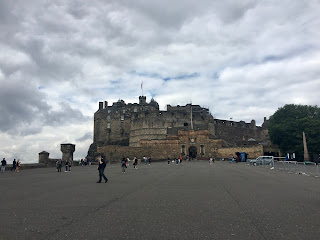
(141, 85)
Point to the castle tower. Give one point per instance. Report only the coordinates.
(67, 150)
(44, 157)
(142, 100)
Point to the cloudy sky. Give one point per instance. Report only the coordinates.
(59, 58)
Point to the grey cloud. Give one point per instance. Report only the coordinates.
(66, 115)
(88, 135)
(24, 109)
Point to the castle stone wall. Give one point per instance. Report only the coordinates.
(252, 151)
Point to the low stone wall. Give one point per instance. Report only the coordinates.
(114, 154)
(252, 151)
(27, 166)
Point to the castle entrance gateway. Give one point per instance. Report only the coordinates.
(193, 151)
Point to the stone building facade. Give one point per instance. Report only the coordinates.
(141, 129)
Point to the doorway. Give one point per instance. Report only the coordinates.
(193, 151)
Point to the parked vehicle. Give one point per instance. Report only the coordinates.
(262, 160)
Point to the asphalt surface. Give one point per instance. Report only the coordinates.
(194, 200)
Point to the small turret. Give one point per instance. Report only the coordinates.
(142, 100)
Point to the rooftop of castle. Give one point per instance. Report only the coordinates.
(169, 108)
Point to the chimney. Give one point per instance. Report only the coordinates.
(105, 104)
(100, 105)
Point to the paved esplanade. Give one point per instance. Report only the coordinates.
(160, 201)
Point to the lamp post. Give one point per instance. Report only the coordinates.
(305, 148)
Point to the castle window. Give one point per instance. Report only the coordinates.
(124, 111)
(121, 125)
(202, 149)
(231, 124)
(185, 124)
(109, 110)
(122, 117)
(183, 149)
(108, 125)
(108, 118)
(135, 109)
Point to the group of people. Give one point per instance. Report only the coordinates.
(178, 160)
(147, 160)
(68, 164)
(125, 163)
(15, 165)
(85, 162)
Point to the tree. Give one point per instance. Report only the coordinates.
(287, 124)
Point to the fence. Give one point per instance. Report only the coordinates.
(304, 168)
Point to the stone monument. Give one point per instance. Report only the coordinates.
(305, 148)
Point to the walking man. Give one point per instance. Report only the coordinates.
(3, 165)
(14, 165)
(135, 163)
(69, 164)
(101, 167)
(123, 165)
(66, 162)
(59, 165)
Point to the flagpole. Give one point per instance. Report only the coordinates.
(142, 88)
(191, 118)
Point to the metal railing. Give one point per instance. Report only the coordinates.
(304, 168)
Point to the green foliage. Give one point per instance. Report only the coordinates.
(287, 124)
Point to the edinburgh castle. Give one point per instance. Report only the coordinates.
(141, 129)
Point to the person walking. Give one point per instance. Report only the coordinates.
(66, 162)
(18, 166)
(123, 165)
(69, 164)
(101, 167)
(59, 165)
(135, 163)
(14, 165)
(3, 165)
(149, 160)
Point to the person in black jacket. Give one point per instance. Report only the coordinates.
(14, 165)
(123, 165)
(3, 165)
(101, 167)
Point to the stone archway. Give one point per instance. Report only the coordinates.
(193, 151)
